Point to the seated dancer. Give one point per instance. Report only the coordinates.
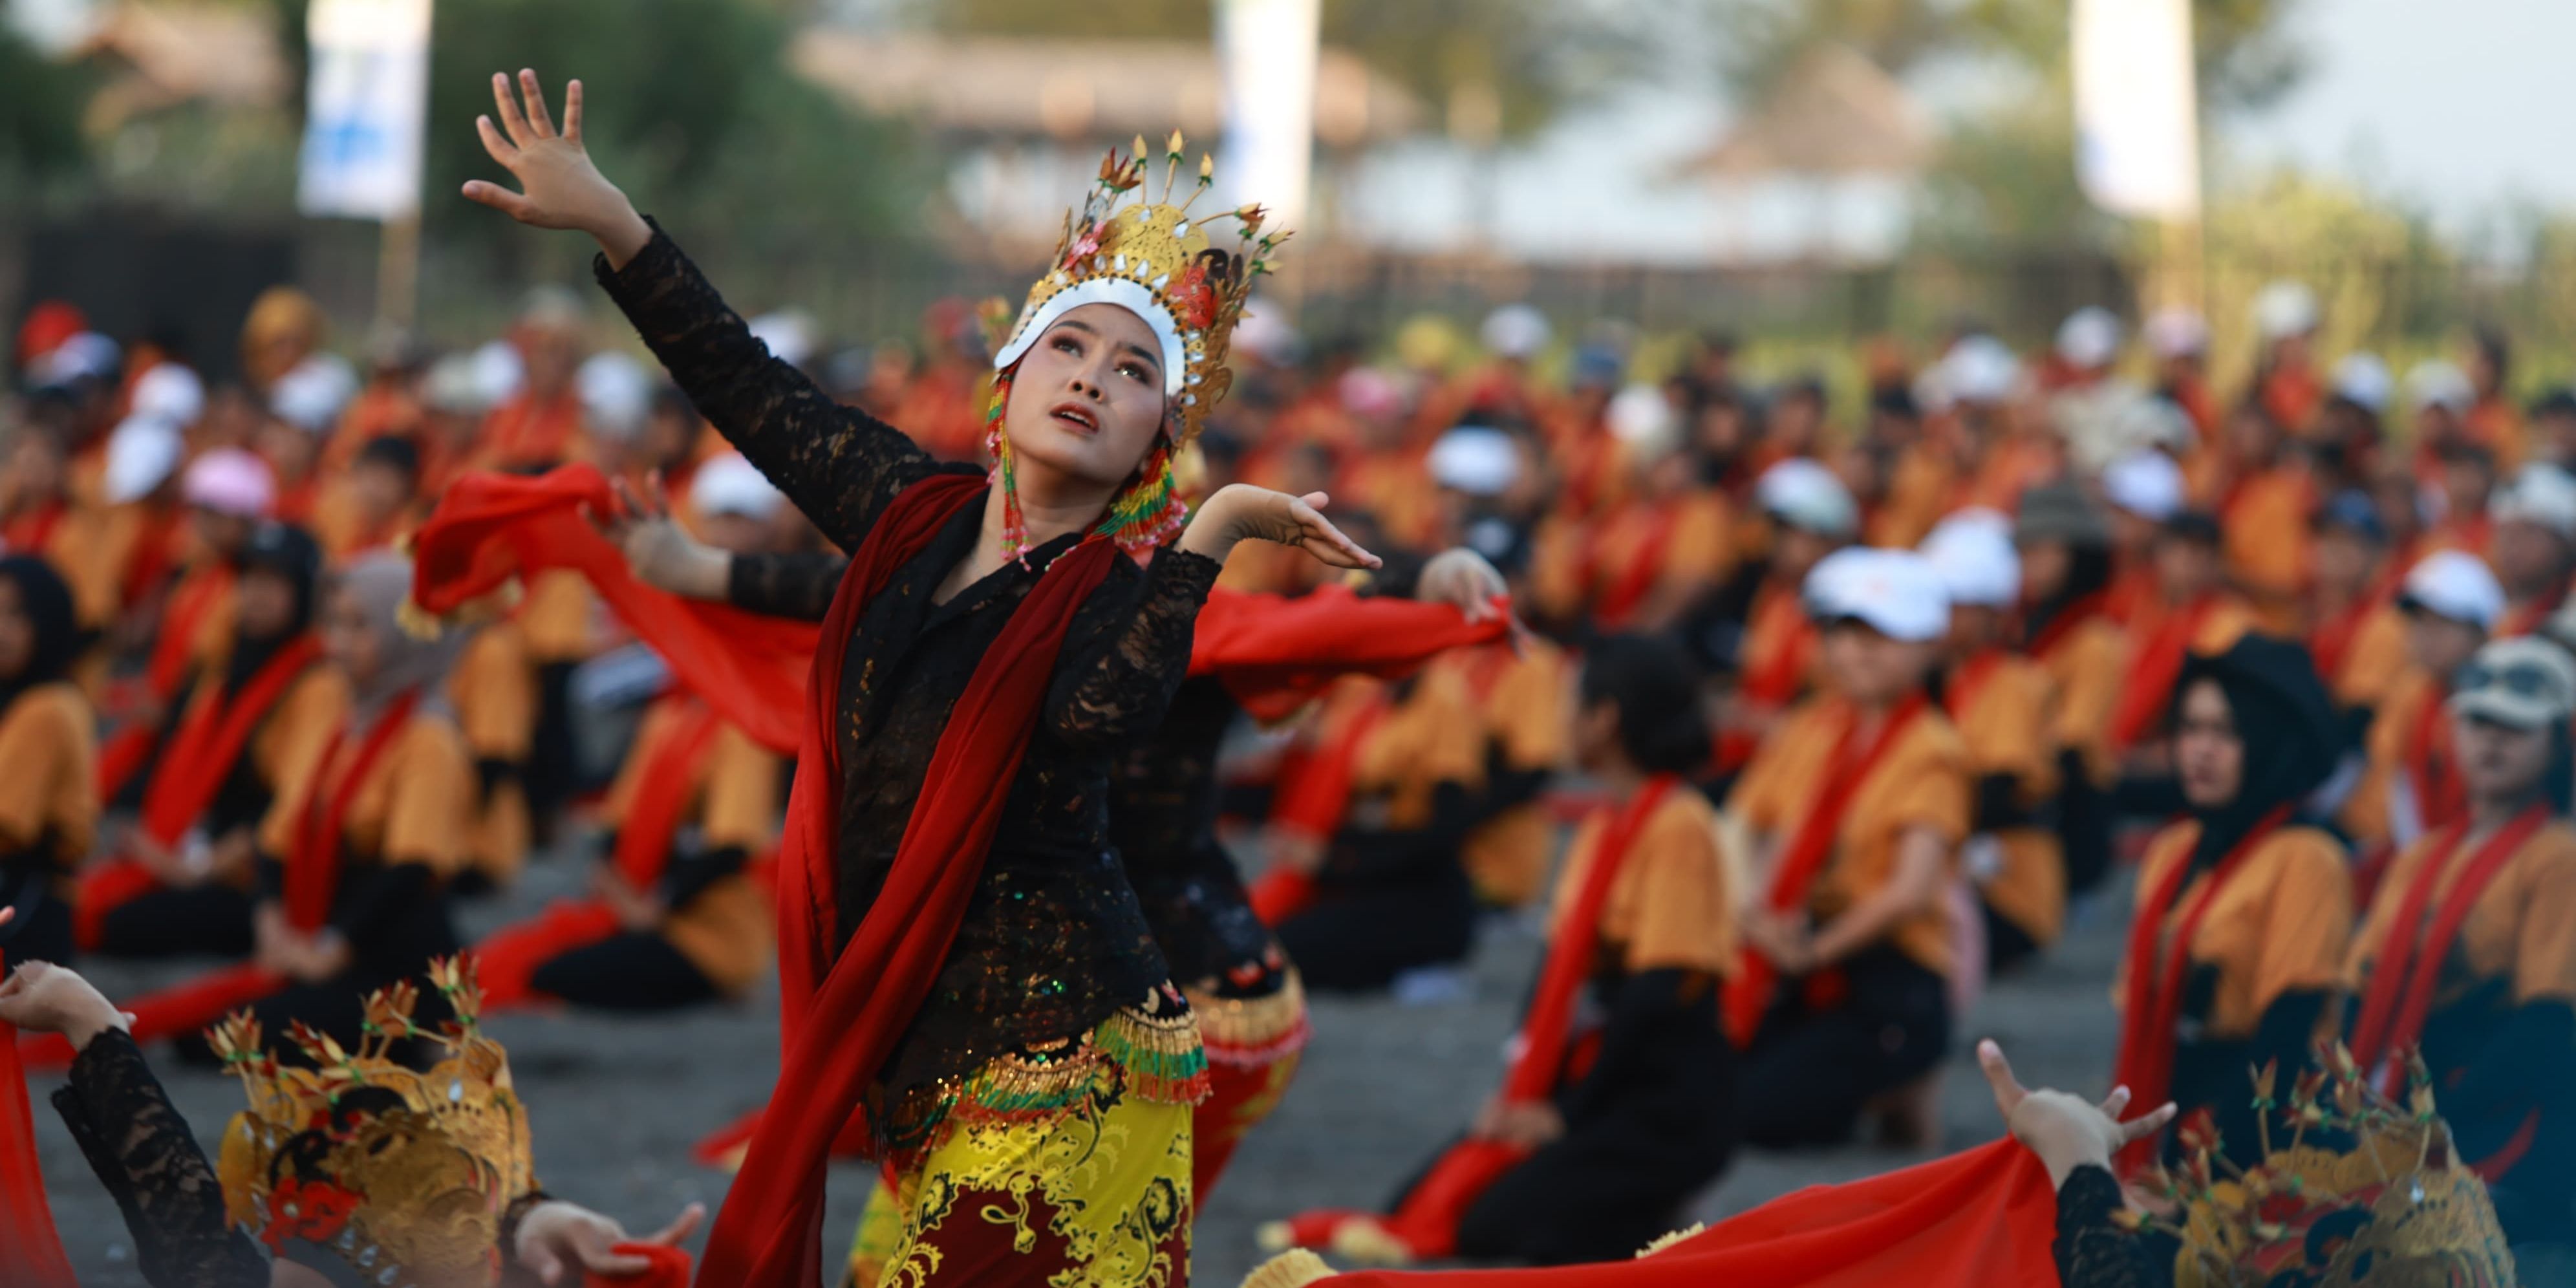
(2410, 784)
(1757, 629)
(229, 491)
(357, 849)
(2356, 632)
(2469, 949)
(49, 794)
(183, 885)
(2066, 567)
(440, 1192)
(1856, 805)
(961, 956)
(2190, 612)
(2000, 702)
(1618, 1104)
(2243, 908)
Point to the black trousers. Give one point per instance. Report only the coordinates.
(211, 920)
(41, 932)
(635, 971)
(1613, 1183)
(1357, 939)
(1812, 1070)
(2007, 945)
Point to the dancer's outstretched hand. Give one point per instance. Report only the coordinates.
(559, 1240)
(2066, 1131)
(559, 187)
(658, 550)
(40, 997)
(1240, 512)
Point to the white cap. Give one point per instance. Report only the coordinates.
(85, 353)
(1643, 418)
(1980, 369)
(1806, 495)
(500, 370)
(1476, 460)
(2434, 382)
(2145, 483)
(455, 386)
(1516, 331)
(2457, 585)
(2283, 309)
(2541, 494)
(615, 395)
(789, 333)
(2089, 337)
(170, 392)
(1895, 592)
(2362, 378)
(312, 394)
(2175, 331)
(230, 480)
(142, 452)
(553, 307)
(1972, 553)
(728, 484)
(2522, 683)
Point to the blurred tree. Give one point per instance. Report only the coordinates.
(40, 112)
(1496, 67)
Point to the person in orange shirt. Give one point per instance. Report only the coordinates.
(2410, 784)
(49, 797)
(2357, 636)
(537, 425)
(2144, 490)
(2262, 504)
(388, 405)
(2469, 949)
(2350, 436)
(2068, 629)
(374, 503)
(2243, 909)
(2463, 485)
(2553, 428)
(2286, 380)
(1854, 808)
(2179, 339)
(2492, 417)
(1638, 566)
(2192, 612)
(1757, 630)
(2535, 546)
(2440, 397)
(2000, 702)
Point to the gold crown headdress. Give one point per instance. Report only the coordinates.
(2393, 1206)
(1155, 261)
(402, 1174)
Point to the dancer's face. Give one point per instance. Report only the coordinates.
(349, 637)
(2498, 762)
(1087, 399)
(2209, 753)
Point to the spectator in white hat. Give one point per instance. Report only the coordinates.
(1515, 332)
(2439, 396)
(2178, 338)
(1479, 469)
(2535, 545)
(143, 455)
(1809, 515)
(1861, 799)
(2001, 702)
(169, 392)
(2088, 344)
(2140, 492)
(2411, 784)
(2285, 375)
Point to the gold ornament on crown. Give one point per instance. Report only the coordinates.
(2365, 1193)
(405, 1175)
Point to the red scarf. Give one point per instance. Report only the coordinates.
(313, 864)
(1628, 588)
(2432, 769)
(2063, 625)
(2331, 642)
(1772, 678)
(662, 793)
(190, 601)
(29, 1249)
(1804, 858)
(2158, 665)
(1276, 653)
(2400, 991)
(1427, 1220)
(841, 1017)
(2157, 966)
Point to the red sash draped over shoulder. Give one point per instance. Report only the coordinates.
(842, 1017)
(30, 1252)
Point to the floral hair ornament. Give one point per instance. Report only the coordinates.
(402, 1175)
(1153, 260)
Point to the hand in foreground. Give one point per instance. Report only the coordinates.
(40, 997)
(658, 550)
(2066, 1131)
(557, 1236)
(559, 186)
(1242, 512)
(1465, 580)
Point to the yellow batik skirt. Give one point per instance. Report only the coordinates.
(1066, 1168)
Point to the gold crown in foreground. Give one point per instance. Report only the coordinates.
(2387, 1203)
(1154, 260)
(403, 1174)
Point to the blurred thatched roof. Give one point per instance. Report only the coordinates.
(1011, 87)
(1837, 114)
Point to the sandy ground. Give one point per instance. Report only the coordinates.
(617, 1103)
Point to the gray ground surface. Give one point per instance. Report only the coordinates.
(617, 1103)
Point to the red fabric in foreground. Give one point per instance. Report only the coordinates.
(670, 1268)
(1979, 1219)
(1275, 653)
(842, 1016)
(31, 1254)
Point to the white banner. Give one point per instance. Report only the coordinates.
(1266, 53)
(365, 109)
(2137, 111)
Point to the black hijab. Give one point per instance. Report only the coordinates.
(47, 602)
(285, 550)
(2287, 722)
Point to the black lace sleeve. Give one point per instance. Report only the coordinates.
(797, 585)
(1121, 684)
(838, 464)
(2092, 1252)
(143, 1153)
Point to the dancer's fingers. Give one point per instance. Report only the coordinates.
(539, 119)
(513, 122)
(572, 112)
(515, 205)
(500, 148)
(2154, 1121)
(2008, 1090)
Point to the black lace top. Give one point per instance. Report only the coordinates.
(2092, 1251)
(1053, 940)
(1162, 817)
(143, 1153)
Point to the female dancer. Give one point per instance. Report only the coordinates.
(49, 796)
(960, 957)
